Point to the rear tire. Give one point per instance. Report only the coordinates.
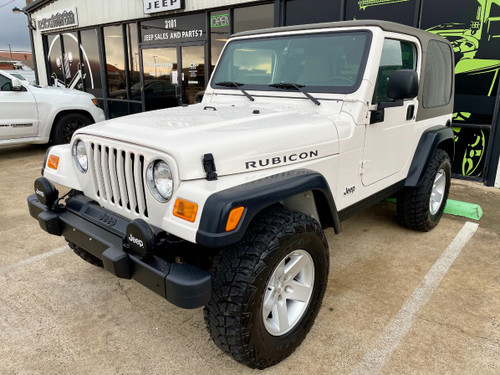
(85, 255)
(267, 289)
(421, 207)
(66, 125)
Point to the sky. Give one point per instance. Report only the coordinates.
(13, 27)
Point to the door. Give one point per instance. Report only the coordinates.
(387, 143)
(161, 78)
(193, 74)
(18, 109)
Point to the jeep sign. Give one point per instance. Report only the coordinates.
(155, 6)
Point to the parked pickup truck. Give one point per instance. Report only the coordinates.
(34, 114)
(224, 204)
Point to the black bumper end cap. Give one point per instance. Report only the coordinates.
(182, 280)
(49, 222)
(117, 262)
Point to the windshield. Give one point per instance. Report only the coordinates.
(326, 62)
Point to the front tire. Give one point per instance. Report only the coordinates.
(421, 207)
(66, 125)
(268, 288)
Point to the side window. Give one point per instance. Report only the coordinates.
(5, 83)
(438, 75)
(396, 55)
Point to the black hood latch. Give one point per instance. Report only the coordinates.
(209, 166)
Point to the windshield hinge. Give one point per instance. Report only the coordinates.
(209, 166)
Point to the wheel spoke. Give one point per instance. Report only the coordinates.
(269, 302)
(297, 263)
(281, 311)
(439, 179)
(300, 292)
(436, 196)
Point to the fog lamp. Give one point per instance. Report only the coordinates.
(46, 193)
(140, 237)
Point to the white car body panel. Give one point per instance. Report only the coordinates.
(28, 116)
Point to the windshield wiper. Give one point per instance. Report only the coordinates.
(237, 85)
(289, 85)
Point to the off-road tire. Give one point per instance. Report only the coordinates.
(240, 275)
(413, 203)
(85, 255)
(66, 125)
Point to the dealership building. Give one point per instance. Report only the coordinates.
(140, 55)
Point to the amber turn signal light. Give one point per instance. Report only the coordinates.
(234, 218)
(185, 210)
(53, 162)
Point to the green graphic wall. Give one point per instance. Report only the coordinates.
(473, 28)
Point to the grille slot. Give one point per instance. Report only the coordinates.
(118, 178)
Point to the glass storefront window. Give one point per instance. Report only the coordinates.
(160, 78)
(133, 53)
(71, 61)
(91, 62)
(115, 58)
(193, 74)
(311, 11)
(219, 33)
(54, 56)
(254, 17)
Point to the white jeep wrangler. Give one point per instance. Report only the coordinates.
(223, 204)
(34, 114)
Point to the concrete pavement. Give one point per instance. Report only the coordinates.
(59, 314)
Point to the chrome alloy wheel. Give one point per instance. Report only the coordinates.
(437, 193)
(288, 292)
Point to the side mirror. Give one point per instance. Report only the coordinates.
(16, 84)
(402, 84)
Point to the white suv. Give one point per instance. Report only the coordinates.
(223, 204)
(32, 114)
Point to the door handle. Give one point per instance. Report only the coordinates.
(410, 111)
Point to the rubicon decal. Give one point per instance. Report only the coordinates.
(277, 160)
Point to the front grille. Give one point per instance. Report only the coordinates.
(118, 178)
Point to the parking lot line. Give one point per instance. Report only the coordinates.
(35, 258)
(376, 358)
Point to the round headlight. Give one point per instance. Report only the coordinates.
(160, 180)
(80, 156)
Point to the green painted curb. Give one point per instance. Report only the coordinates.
(465, 209)
(457, 208)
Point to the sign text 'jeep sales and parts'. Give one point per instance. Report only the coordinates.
(180, 29)
(154, 6)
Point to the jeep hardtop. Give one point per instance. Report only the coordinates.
(224, 204)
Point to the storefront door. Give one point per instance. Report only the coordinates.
(172, 76)
(193, 73)
(160, 67)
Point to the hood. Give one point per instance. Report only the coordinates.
(241, 139)
(52, 90)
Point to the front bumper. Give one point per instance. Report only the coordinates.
(102, 233)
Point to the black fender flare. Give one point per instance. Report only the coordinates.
(439, 136)
(256, 196)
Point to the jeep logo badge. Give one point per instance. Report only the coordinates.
(136, 241)
(39, 192)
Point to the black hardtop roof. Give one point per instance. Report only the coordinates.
(422, 35)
